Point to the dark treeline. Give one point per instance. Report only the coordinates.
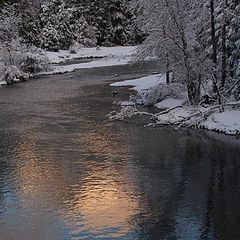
(58, 24)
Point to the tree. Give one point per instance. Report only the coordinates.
(198, 40)
(56, 25)
(30, 23)
(173, 38)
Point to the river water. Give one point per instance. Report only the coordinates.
(66, 172)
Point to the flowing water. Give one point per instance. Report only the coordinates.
(66, 172)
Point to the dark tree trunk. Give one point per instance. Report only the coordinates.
(224, 48)
(167, 70)
(214, 51)
(213, 41)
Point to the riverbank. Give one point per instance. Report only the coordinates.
(172, 102)
(85, 58)
(151, 90)
(63, 61)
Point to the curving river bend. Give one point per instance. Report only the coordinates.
(68, 173)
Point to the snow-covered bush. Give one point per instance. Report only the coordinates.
(14, 74)
(27, 58)
(75, 47)
(17, 59)
(151, 96)
(35, 60)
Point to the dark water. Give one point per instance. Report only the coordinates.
(68, 173)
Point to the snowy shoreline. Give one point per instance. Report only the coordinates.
(175, 111)
(89, 53)
(99, 57)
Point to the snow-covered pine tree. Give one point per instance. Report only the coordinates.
(97, 15)
(122, 29)
(118, 21)
(82, 31)
(9, 23)
(30, 25)
(55, 19)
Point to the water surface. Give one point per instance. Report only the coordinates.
(66, 172)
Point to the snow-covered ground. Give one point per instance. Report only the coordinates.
(203, 117)
(228, 122)
(104, 62)
(142, 83)
(101, 52)
(100, 57)
(169, 103)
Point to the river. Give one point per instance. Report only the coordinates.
(66, 172)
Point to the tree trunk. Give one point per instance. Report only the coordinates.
(167, 70)
(214, 43)
(224, 48)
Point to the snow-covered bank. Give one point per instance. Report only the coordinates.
(151, 89)
(100, 57)
(142, 83)
(105, 62)
(175, 110)
(227, 122)
(101, 52)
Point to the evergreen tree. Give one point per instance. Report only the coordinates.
(30, 24)
(56, 25)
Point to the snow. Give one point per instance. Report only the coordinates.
(109, 56)
(2, 82)
(143, 83)
(227, 122)
(93, 64)
(169, 103)
(113, 52)
(127, 103)
(176, 114)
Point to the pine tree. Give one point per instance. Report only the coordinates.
(30, 24)
(56, 25)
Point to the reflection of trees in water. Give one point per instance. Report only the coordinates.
(222, 220)
(200, 195)
(159, 179)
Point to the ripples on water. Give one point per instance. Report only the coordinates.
(68, 173)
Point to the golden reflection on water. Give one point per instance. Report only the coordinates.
(104, 204)
(36, 176)
(100, 199)
(103, 198)
(101, 143)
